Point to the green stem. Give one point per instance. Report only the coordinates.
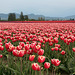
(9, 58)
(54, 71)
(30, 68)
(40, 69)
(40, 72)
(35, 72)
(47, 71)
(21, 65)
(32, 72)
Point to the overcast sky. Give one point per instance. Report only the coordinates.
(52, 8)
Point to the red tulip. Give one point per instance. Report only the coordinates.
(43, 45)
(33, 45)
(52, 49)
(56, 62)
(73, 49)
(52, 61)
(41, 52)
(0, 39)
(38, 69)
(38, 47)
(25, 52)
(62, 37)
(11, 48)
(39, 43)
(56, 48)
(24, 40)
(41, 40)
(31, 57)
(1, 55)
(27, 47)
(46, 65)
(55, 40)
(41, 59)
(22, 44)
(63, 52)
(35, 66)
(1, 43)
(21, 53)
(50, 43)
(7, 45)
(30, 51)
(1, 48)
(15, 53)
(59, 49)
(19, 47)
(20, 39)
(57, 45)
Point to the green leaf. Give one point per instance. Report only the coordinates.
(7, 56)
(15, 71)
(18, 66)
(64, 68)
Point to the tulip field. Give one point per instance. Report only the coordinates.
(37, 48)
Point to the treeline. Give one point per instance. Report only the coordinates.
(12, 17)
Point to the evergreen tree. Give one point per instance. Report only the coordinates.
(11, 17)
(21, 16)
(26, 17)
(0, 18)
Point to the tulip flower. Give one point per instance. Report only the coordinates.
(35, 66)
(1, 55)
(41, 59)
(41, 52)
(63, 52)
(46, 65)
(56, 62)
(31, 57)
(73, 49)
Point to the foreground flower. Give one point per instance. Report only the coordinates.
(46, 65)
(55, 40)
(1, 55)
(41, 52)
(56, 62)
(22, 44)
(59, 49)
(38, 47)
(56, 48)
(7, 45)
(35, 66)
(73, 49)
(63, 52)
(52, 49)
(11, 48)
(18, 53)
(31, 57)
(27, 47)
(15, 52)
(21, 53)
(41, 59)
(57, 45)
(1, 48)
